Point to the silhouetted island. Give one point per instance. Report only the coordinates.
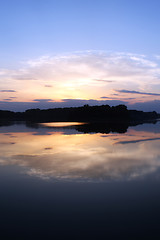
(104, 113)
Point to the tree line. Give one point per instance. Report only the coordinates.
(85, 113)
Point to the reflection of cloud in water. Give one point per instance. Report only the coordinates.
(84, 157)
(47, 148)
(6, 143)
(136, 141)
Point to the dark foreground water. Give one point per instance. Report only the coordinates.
(58, 183)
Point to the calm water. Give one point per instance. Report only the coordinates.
(57, 182)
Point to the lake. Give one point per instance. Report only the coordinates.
(60, 181)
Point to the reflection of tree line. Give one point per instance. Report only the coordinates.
(115, 114)
(103, 128)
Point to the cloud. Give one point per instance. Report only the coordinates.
(97, 64)
(43, 100)
(6, 91)
(104, 97)
(146, 106)
(98, 67)
(83, 75)
(91, 102)
(17, 77)
(137, 92)
(102, 80)
(138, 141)
(51, 103)
(4, 143)
(116, 98)
(9, 98)
(48, 86)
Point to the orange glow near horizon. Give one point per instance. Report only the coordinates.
(95, 75)
(35, 91)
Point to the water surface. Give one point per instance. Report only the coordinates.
(56, 181)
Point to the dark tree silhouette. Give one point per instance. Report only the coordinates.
(86, 113)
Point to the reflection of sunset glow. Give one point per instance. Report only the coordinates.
(61, 124)
(82, 156)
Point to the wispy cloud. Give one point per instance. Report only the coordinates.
(83, 75)
(103, 80)
(7, 91)
(101, 67)
(116, 98)
(137, 92)
(137, 141)
(104, 97)
(23, 77)
(43, 100)
(48, 86)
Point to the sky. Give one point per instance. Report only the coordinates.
(62, 53)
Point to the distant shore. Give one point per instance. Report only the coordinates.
(104, 113)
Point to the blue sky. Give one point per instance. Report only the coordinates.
(36, 34)
(31, 28)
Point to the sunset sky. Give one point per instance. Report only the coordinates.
(58, 53)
